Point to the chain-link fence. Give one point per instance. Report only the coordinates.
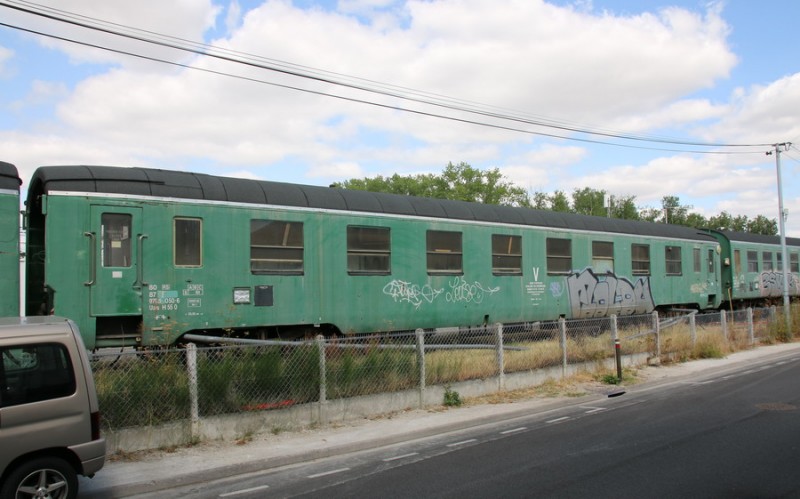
(151, 388)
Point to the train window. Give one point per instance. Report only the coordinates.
(766, 256)
(276, 247)
(672, 260)
(752, 261)
(188, 242)
(603, 256)
(698, 265)
(506, 254)
(368, 250)
(794, 263)
(640, 259)
(116, 230)
(559, 256)
(444, 252)
(779, 256)
(711, 267)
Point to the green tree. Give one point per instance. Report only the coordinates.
(723, 221)
(559, 202)
(763, 225)
(459, 182)
(674, 212)
(696, 220)
(649, 214)
(624, 207)
(588, 201)
(541, 201)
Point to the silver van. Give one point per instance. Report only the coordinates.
(49, 416)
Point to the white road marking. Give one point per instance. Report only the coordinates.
(557, 420)
(395, 458)
(515, 430)
(244, 491)
(456, 444)
(326, 473)
(593, 409)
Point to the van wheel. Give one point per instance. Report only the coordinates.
(45, 477)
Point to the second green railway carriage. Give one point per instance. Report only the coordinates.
(752, 270)
(9, 240)
(141, 256)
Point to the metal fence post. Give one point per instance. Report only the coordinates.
(562, 326)
(723, 320)
(693, 328)
(323, 381)
(657, 333)
(421, 365)
(751, 331)
(617, 351)
(194, 411)
(501, 369)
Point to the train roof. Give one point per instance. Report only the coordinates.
(9, 178)
(186, 185)
(747, 237)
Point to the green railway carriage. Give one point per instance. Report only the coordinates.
(752, 270)
(141, 256)
(9, 240)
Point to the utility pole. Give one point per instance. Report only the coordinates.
(787, 307)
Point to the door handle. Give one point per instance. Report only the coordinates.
(140, 264)
(92, 258)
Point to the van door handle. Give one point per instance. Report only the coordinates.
(92, 259)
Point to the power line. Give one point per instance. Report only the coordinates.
(289, 69)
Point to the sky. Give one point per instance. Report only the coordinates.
(644, 98)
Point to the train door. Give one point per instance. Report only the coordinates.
(712, 277)
(115, 280)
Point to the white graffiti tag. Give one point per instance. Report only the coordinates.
(462, 291)
(599, 295)
(402, 291)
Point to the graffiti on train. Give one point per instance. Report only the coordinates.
(599, 295)
(772, 284)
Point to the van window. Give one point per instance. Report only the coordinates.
(32, 373)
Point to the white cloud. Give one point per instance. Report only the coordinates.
(234, 16)
(185, 19)
(6, 55)
(526, 56)
(763, 113)
(335, 171)
(41, 92)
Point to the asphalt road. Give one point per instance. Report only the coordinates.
(733, 434)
